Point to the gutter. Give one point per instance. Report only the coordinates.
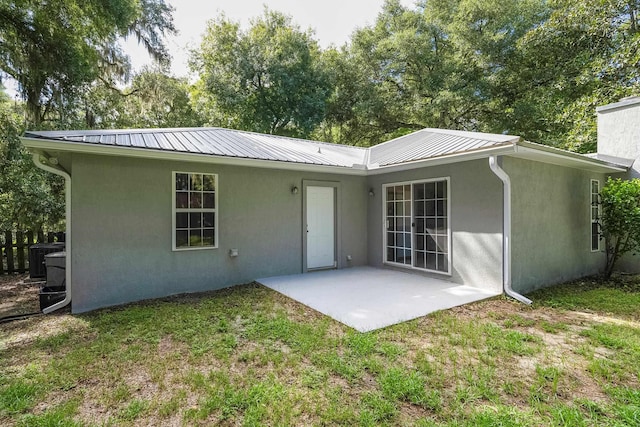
(506, 233)
(50, 165)
(158, 154)
(527, 147)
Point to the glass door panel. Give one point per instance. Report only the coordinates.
(430, 215)
(398, 224)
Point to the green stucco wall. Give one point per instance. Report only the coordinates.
(551, 225)
(121, 228)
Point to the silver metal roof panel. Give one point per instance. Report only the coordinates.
(618, 161)
(218, 142)
(430, 143)
(423, 145)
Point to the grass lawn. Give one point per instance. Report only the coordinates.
(250, 356)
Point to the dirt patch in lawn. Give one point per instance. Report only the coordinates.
(18, 295)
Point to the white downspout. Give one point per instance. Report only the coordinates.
(506, 233)
(39, 161)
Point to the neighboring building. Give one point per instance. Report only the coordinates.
(155, 212)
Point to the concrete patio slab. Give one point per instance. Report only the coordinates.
(367, 298)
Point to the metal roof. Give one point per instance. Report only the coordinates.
(614, 160)
(217, 142)
(433, 145)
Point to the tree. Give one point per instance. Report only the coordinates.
(534, 68)
(155, 99)
(436, 65)
(152, 100)
(404, 58)
(352, 101)
(265, 79)
(29, 198)
(583, 55)
(620, 222)
(53, 48)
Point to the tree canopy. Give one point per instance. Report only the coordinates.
(153, 99)
(439, 64)
(583, 55)
(534, 68)
(53, 48)
(267, 78)
(29, 198)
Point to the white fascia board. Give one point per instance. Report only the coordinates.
(563, 158)
(146, 153)
(443, 160)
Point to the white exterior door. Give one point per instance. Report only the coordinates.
(320, 227)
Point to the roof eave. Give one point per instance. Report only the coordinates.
(506, 149)
(519, 149)
(622, 162)
(551, 155)
(148, 153)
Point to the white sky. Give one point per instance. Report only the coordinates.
(333, 21)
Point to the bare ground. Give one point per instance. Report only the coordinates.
(18, 295)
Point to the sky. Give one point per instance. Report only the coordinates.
(333, 21)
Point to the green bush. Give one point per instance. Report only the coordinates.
(620, 220)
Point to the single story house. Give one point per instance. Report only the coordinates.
(155, 212)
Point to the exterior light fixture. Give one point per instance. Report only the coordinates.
(294, 190)
(371, 193)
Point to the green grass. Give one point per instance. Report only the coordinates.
(17, 396)
(619, 296)
(249, 356)
(57, 416)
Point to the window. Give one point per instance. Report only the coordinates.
(595, 215)
(195, 209)
(417, 225)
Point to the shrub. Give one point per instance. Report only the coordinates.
(620, 220)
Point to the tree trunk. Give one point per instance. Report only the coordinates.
(612, 258)
(34, 110)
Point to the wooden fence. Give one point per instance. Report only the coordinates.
(14, 248)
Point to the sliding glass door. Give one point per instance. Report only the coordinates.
(399, 224)
(417, 231)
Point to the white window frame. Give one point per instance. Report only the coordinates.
(413, 236)
(593, 220)
(175, 210)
